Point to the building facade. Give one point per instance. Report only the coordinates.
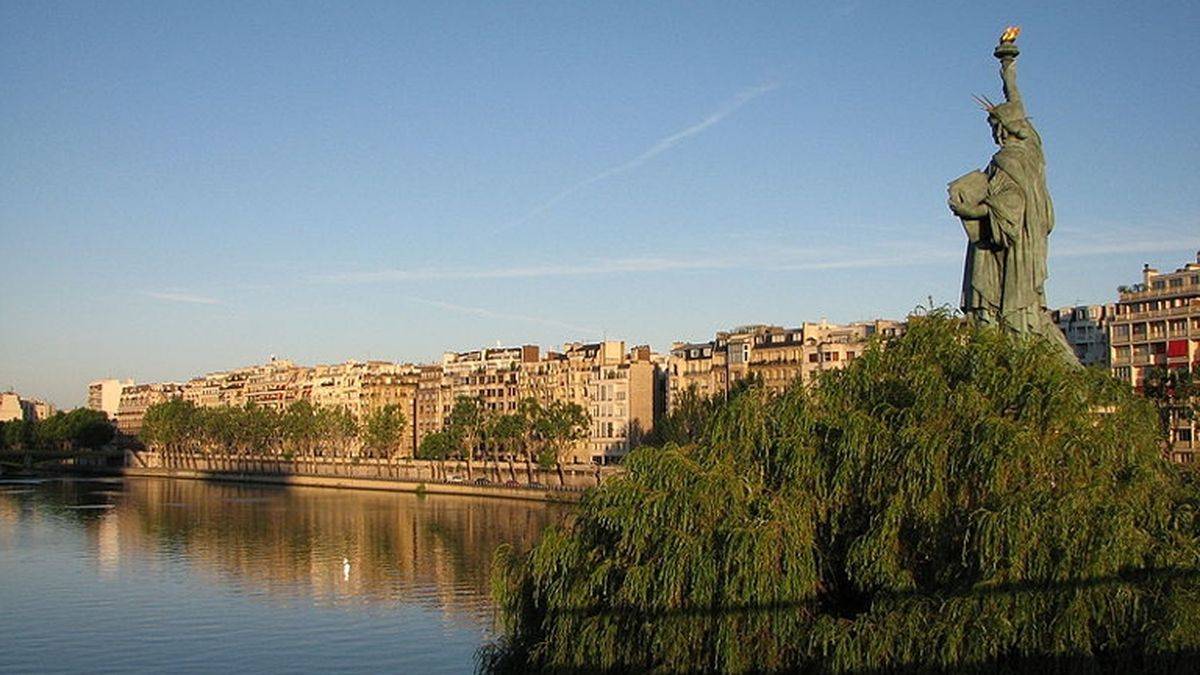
(137, 398)
(11, 409)
(774, 355)
(362, 388)
(105, 396)
(618, 389)
(1086, 330)
(37, 409)
(1157, 325)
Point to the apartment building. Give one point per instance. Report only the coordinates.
(14, 407)
(624, 403)
(1086, 330)
(489, 375)
(272, 385)
(37, 409)
(620, 390)
(11, 409)
(1157, 325)
(433, 400)
(361, 388)
(777, 356)
(105, 396)
(137, 398)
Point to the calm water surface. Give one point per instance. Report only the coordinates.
(153, 575)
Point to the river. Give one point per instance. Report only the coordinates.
(154, 575)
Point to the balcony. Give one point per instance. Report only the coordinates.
(1186, 310)
(1141, 292)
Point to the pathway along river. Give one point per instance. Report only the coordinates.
(154, 575)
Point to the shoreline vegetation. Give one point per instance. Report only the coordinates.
(957, 500)
(537, 435)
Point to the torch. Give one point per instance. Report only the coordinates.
(1007, 50)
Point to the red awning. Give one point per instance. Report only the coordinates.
(1177, 348)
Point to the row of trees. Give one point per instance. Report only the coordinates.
(79, 428)
(179, 426)
(540, 434)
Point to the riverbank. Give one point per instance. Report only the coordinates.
(360, 483)
(504, 479)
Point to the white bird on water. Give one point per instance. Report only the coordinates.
(345, 568)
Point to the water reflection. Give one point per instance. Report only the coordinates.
(286, 544)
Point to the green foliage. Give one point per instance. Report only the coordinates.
(298, 426)
(79, 428)
(508, 430)
(1175, 395)
(169, 423)
(557, 426)
(437, 445)
(955, 498)
(19, 434)
(336, 425)
(89, 428)
(466, 422)
(177, 425)
(690, 415)
(383, 430)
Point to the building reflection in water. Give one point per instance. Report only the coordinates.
(285, 544)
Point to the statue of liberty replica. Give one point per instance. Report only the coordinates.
(1008, 217)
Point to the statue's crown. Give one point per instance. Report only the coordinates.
(1007, 113)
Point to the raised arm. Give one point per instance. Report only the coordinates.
(1007, 52)
(1008, 75)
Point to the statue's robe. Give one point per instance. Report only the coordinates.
(1021, 218)
(982, 277)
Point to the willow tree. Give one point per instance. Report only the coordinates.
(958, 498)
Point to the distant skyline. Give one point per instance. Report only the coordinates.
(192, 187)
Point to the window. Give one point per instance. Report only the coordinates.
(812, 358)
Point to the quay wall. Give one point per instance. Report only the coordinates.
(505, 480)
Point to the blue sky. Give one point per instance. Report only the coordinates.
(186, 187)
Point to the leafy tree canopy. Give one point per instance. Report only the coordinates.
(955, 498)
(437, 445)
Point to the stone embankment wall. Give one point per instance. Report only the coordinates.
(514, 480)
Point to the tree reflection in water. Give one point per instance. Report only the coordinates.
(288, 544)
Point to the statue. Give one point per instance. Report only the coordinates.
(1007, 215)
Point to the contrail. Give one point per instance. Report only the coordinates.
(492, 314)
(181, 297)
(657, 149)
